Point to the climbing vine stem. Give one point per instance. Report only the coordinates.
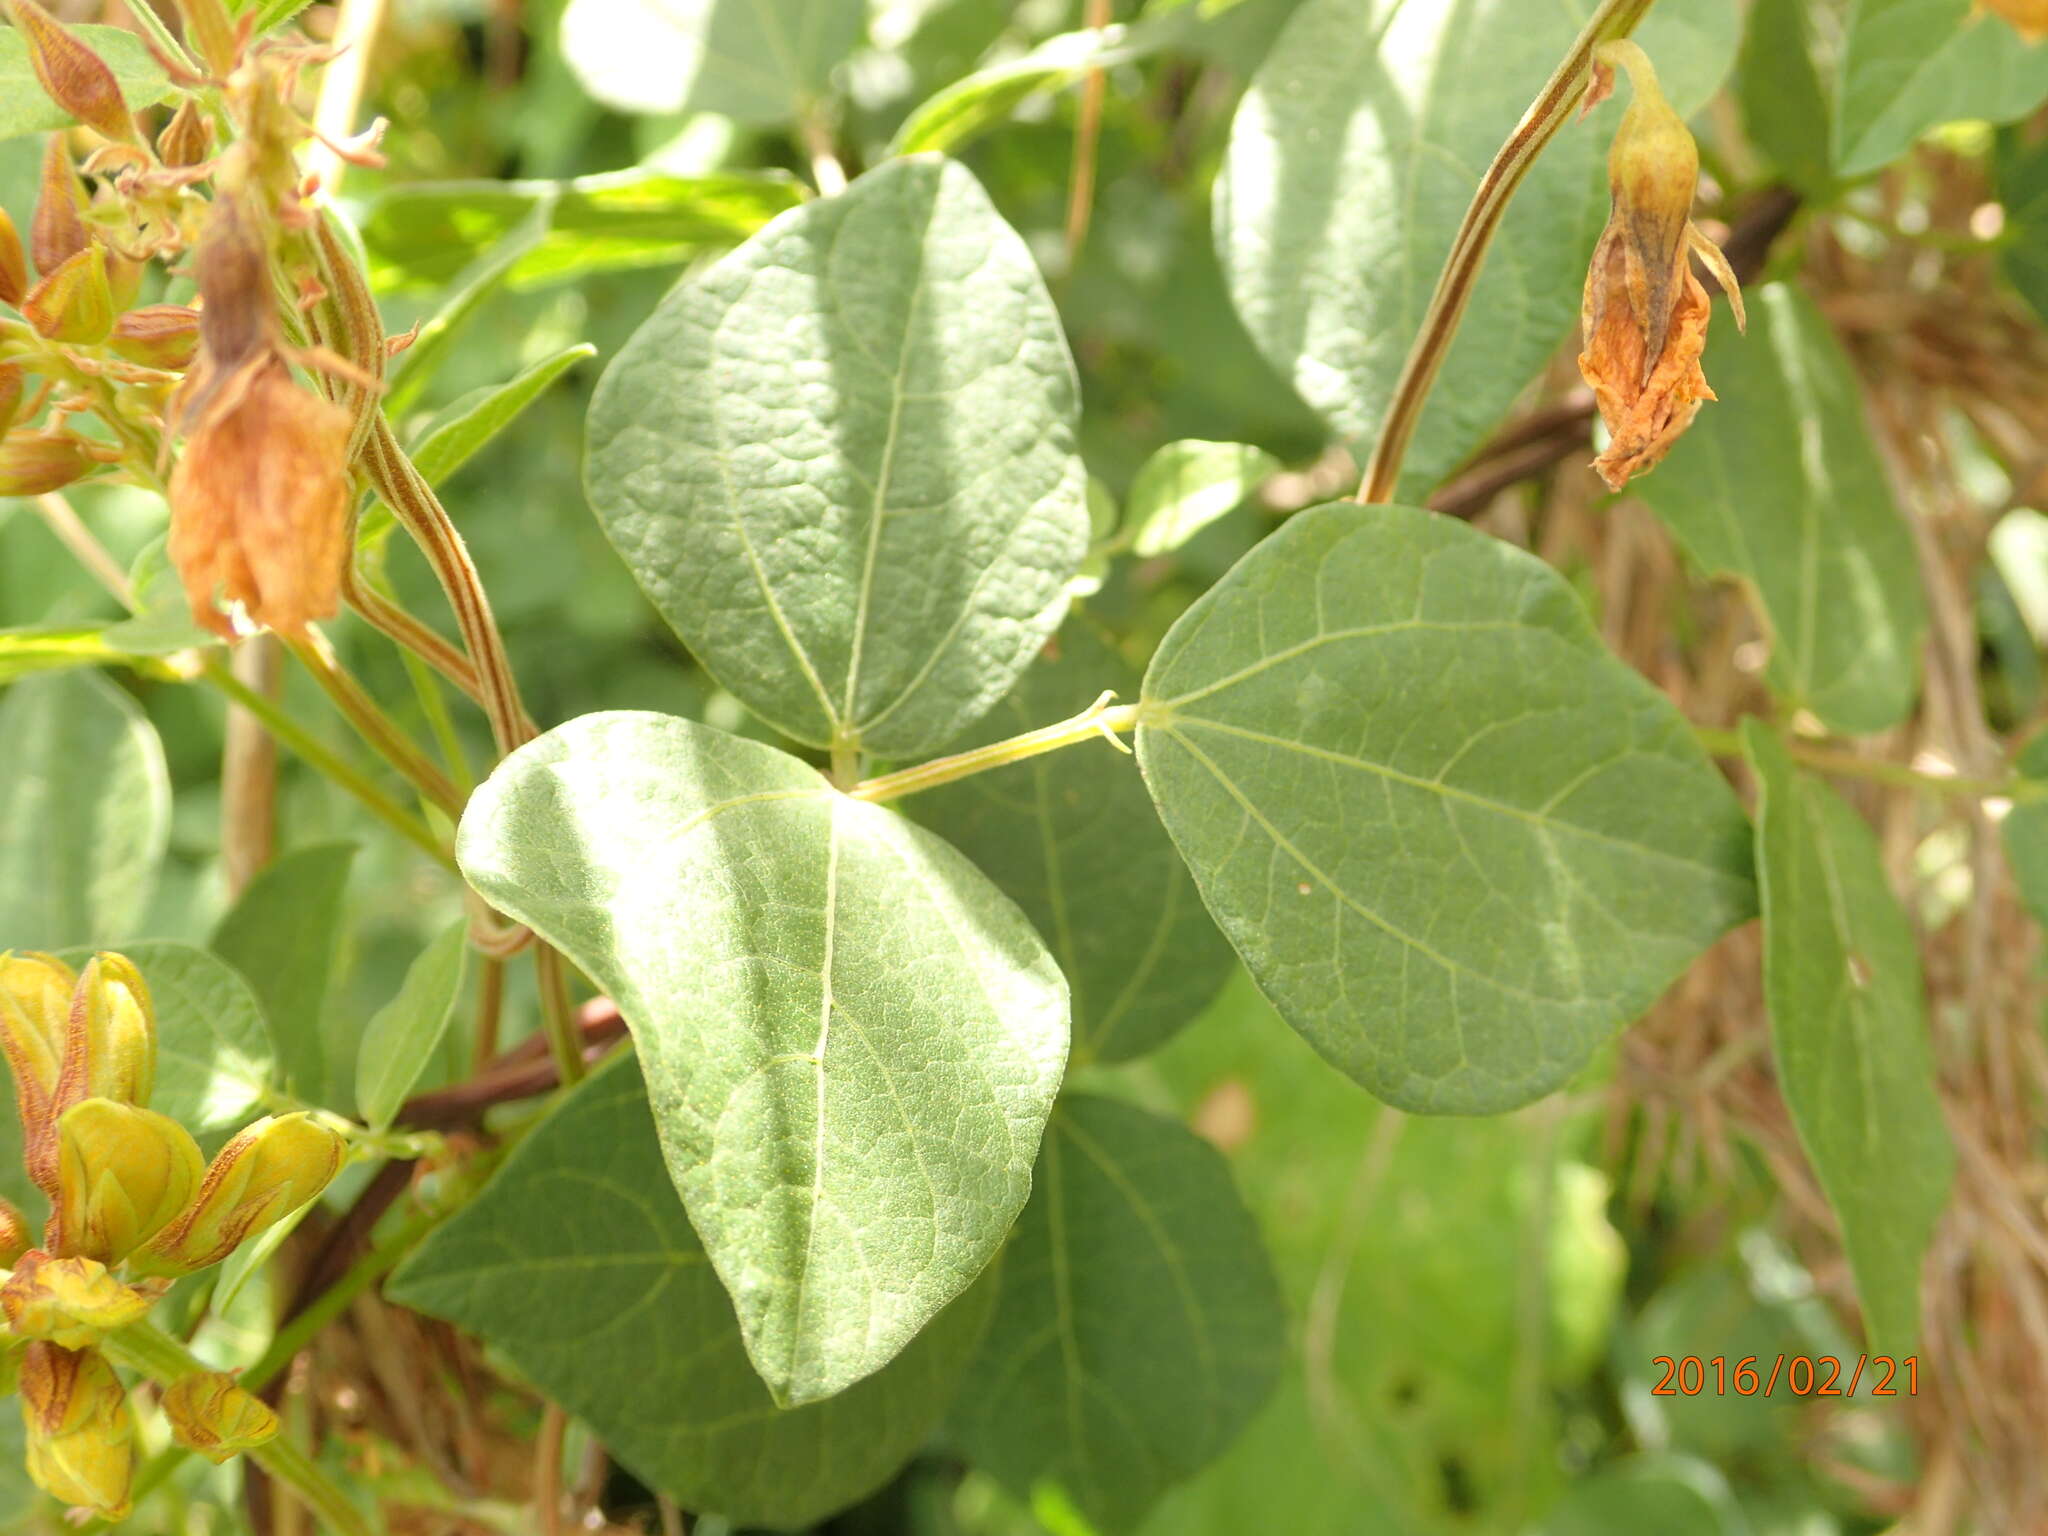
(1539, 125)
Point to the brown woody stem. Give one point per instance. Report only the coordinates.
(382, 614)
(1539, 125)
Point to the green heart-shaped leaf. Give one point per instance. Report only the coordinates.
(851, 1039)
(841, 462)
(577, 1262)
(1456, 841)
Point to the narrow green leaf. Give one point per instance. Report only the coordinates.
(1072, 839)
(214, 1055)
(578, 1263)
(1778, 484)
(85, 812)
(282, 935)
(25, 108)
(427, 233)
(433, 339)
(403, 1035)
(1849, 1032)
(1911, 65)
(1784, 109)
(841, 462)
(759, 64)
(1352, 159)
(1457, 843)
(851, 1038)
(969, 107)
(1140, 1326)
(470, 424)
(161, 626)
(1186, 486)
(2025, 831)
(272, 14)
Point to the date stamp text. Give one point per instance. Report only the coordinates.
(1794, 1375)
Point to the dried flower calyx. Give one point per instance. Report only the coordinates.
(1644, 313)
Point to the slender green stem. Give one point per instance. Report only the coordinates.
(558, 1017)
(1098, 719)
(1846, 765)
(283, 1460)
(146, 1348)
(1539, 125)
(378, 729)
(291, 734)
(360, 1276)
(426, 688)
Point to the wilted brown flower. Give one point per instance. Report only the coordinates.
(2028, 17)
(1644, 313)
(260, 498)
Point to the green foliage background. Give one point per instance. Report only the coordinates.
(1409, 800)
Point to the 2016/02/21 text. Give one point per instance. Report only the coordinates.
(1798, 1375)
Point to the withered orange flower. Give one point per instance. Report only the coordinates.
(260, 497)
(1644, 313)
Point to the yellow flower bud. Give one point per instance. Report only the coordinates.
(103, 1040)
(75, 77)
(35, 1014)
(15, 1237)
(71, 1302)
(263, 1174)
(122, 1175)
(81, 1434)
(211, 1415)
(13, 265)
(110, 1048)
(11, 386)
(158, 335)
(32, 463)
(74, 303)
